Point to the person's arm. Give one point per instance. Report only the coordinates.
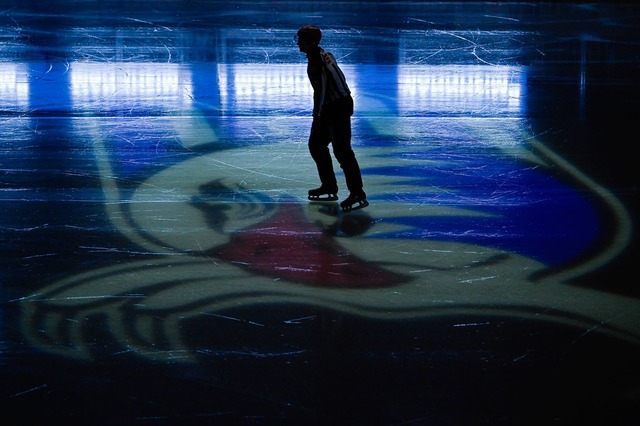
(318, 82)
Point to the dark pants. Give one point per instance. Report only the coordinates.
(334, 127)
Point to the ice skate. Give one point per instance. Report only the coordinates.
(354, 202)
(323, 194)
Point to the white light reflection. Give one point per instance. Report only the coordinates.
(247, 89)
(461, 89)
(14, 87)
(131, 86)
(251, 88)
(421, 89)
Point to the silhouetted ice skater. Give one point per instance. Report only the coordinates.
(332, 111)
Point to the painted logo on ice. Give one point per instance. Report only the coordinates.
(468, 224)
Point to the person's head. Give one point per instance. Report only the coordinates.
(307, 37)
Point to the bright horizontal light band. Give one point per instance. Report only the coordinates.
(14, 87)
(132, 85)
(467, 89)
(421, 89)
(259, 87)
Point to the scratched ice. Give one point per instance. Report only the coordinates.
(161, 261)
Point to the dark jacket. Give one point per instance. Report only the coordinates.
(327, 79)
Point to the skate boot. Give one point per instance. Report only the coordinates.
(323, 194)
(354, 201)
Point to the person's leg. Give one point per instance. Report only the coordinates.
(319, 140)
(341, 140)
(340, 133)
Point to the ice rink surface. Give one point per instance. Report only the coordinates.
(161, 263)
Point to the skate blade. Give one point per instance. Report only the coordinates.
(361, 205)
(320, 199)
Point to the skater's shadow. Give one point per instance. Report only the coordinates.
(345, 225)
(220, 205)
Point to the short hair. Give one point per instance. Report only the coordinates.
(310, 32)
